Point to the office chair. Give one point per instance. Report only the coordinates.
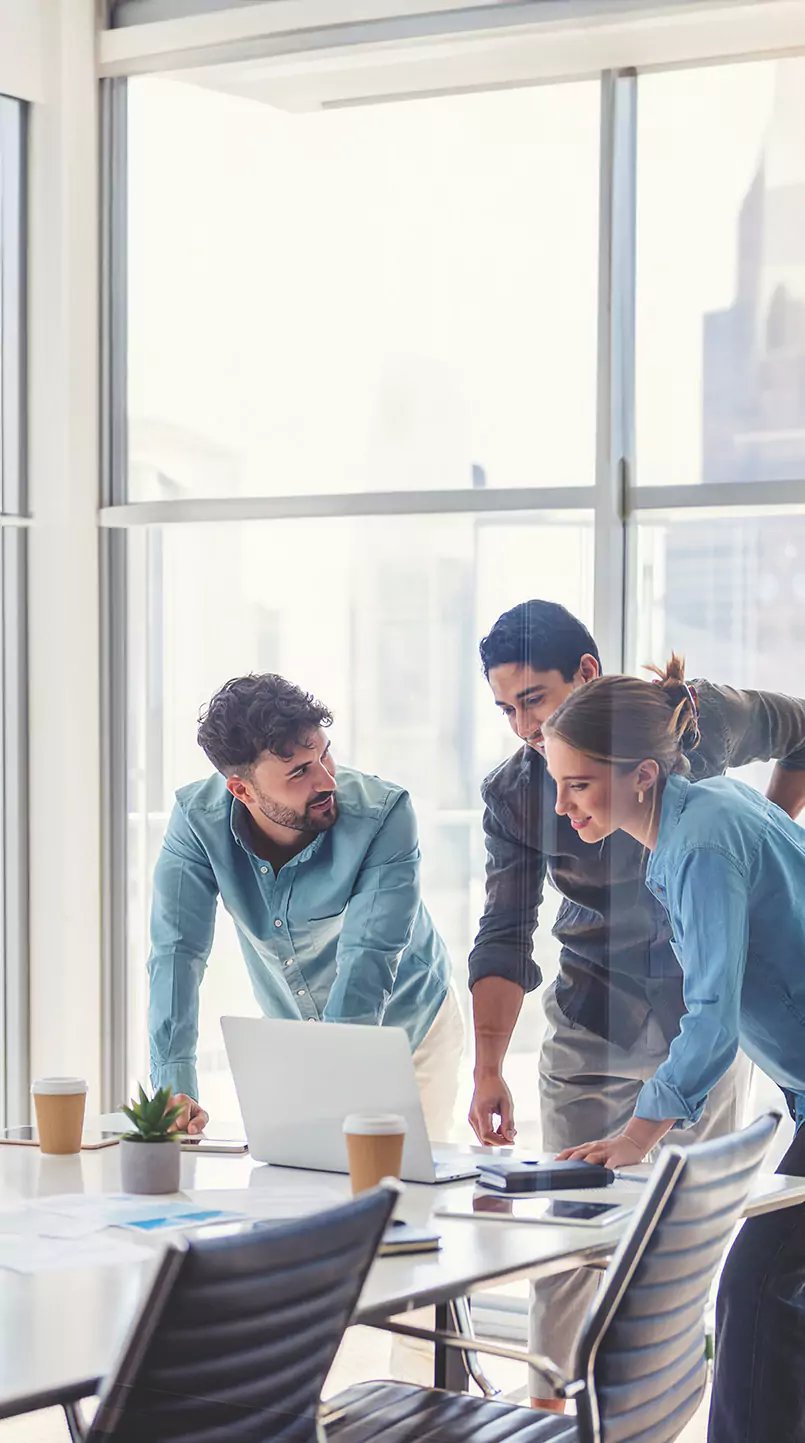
(237, 1334)
(640, 1365)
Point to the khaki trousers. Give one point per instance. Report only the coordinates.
(436, 1064)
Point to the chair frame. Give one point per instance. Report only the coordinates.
(620, 1273)
(145, 1323)
(137, 1340)
(646, 1219)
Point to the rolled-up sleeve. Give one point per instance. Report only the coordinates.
(515, 878)
(763, 726)
(185, 897)
(710, 920)
(379, 920)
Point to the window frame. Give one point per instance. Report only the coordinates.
(617, 498)
(14, 950)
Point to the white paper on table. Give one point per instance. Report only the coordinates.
(269, 1204)
(28, 1222)
(42, 1254)
(93, 1212)
(82, 1204)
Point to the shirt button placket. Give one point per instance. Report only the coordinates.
(284, 947)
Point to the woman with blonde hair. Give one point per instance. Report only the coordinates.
(728, 866)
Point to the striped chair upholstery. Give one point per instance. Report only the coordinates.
(238, 1333)
(640, 1365)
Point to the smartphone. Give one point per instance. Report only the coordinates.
(235, 1146)
(537, 1209)
(29, 1137)
(547, 1210)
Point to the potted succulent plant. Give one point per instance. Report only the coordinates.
(150, 1160)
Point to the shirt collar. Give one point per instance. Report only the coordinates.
(674, 797)
(240, 826)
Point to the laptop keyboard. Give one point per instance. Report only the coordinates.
(454, 1164)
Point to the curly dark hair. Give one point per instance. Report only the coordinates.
(255, 714)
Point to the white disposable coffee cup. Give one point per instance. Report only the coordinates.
(375, 1144)
(59, 1104)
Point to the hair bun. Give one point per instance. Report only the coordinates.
(682, 697)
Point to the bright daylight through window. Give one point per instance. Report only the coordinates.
(390, 298)
(390, 302)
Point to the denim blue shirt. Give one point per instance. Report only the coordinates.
(615, 964)
(339, 934)
(729, 869)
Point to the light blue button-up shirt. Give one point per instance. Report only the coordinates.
(729, 868)
(339, 934)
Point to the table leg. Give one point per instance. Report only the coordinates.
(449, 1367)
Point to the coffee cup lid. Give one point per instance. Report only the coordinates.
(58, 1086)
(375, 1124)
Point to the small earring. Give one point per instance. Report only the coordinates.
(640, 798)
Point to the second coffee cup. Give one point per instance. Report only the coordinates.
(374, 1147)
(59, 1104)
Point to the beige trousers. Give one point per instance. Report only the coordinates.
(436, 1064)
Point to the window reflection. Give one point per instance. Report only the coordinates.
(721, 274)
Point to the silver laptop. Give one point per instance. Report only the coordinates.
(296, 1084)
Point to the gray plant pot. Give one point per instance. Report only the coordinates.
(150, 1167)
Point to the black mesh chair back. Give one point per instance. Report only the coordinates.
(642, 1350)
(238, 1332)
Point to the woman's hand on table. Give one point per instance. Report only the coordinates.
(619, 1150)
(622, 1149)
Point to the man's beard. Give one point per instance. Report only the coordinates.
(306, 821)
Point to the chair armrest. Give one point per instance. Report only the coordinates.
(562, 1387)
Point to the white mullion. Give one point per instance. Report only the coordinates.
(738, 496)
(616, 340)
(559, 500)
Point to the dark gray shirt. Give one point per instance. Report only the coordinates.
(615, 962)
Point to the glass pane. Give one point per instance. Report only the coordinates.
(729, 594)
(721, 274)
(385, 297)
(382, 621)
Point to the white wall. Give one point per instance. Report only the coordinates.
(63, 635)
(22, 42)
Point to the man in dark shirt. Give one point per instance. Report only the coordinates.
(617, 1001)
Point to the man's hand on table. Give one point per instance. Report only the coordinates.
(192, 1119)
(492, 1099)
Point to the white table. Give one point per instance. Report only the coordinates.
(60, 1331)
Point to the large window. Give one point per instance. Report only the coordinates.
(721, 274)
(721, 378)
(395, 301)
(390, 643)
(14, 1078)
(387, 369)
(392, 297)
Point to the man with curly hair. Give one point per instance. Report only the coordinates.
(318, 866)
